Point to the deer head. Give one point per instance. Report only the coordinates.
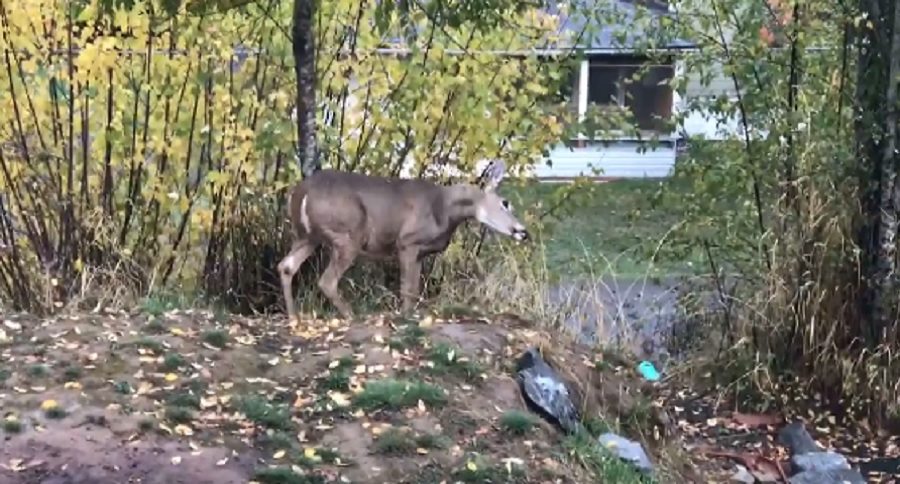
(494, 211)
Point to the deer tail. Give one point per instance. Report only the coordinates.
(297, 209)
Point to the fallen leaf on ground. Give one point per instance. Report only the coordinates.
(755, 420)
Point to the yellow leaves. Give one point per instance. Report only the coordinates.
(182, 429)
(171, 377)
(339, 399)
(49, 405)
(310, 453)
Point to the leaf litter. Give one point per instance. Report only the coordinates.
(274, 395)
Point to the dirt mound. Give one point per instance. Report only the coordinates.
(189, 396)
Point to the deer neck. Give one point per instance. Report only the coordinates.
(460, 202)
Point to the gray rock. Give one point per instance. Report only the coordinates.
(819, 461)
(834, 476)
(795, 437)
(627, 450)
(743, 475)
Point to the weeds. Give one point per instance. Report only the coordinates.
(392, 394)
(410, 336)
(517, 422)
(38, 371)
(264, 413)
(216, 337)
(180, 415)
(12, 424)
(605, 467)
(285, 475)
(397, 442)
(447, 359)
(122, 387)
(172, 362)
(150, 344)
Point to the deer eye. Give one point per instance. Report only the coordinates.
(505, 204)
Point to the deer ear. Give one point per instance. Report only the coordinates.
(494, 174)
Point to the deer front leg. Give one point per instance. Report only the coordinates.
(341, 260)
(410, 273)
(288, 267)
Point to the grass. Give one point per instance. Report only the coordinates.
(180, 415)
(12, 425)
(285, 475)
(183, 398)
(216, 337)
(38, 371)
(172, 362)
(71, 373)
(448, 359)
(159, 304)
(517, 422)
(605, 467)
(396, 442)
(150, 344)
(611, 228)
(390, 394)
(263, 413)
(410, 336)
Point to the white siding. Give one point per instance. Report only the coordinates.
(620, 159)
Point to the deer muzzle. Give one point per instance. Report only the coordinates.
(520, 234)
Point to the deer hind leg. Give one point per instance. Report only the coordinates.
(288, 267)
(410, 273)
(342, 257)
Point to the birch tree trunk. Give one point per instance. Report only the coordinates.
(304, 49)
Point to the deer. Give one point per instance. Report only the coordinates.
(382, 218)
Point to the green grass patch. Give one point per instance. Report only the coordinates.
(447, 359)
(55, 413)
(122, 387)
(71, 373)
(411, 336)
(285, 475)
(159, 304)
(178, 414)
(478, 469)
(606, 227)
(183, 398)
(216, 337)
(390, 394)
(397, 442)
(5, 373)
(37, 371)
(150, 344)
(172, 362)
(337, 378)
(517, 422)
(324, 455)
(605, 466)
(264, 413)
(12, 425)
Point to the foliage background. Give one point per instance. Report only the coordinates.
(153, 150)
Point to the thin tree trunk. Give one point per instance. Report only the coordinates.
(304, 47)
(877, 97)
(889, 201)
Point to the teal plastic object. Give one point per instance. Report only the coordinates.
(648, 371)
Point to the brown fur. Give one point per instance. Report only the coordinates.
(382, 218)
